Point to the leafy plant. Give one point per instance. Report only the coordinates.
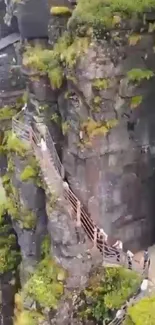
(60, 11)
(137, 75)
(108, 290)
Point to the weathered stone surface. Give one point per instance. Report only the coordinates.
(70, 248)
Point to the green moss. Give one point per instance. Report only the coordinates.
(56, 77)
(136, 101)
(65, 127)
(25, 217)
(44, 61)
(6, 113)
(51, 62)
(100, 13)
(46, 284)
(17, 146)
(91, 128)
(134, 39)
(60, 11)
(137, 75)
(23, 316)
(46, 246)
(71, 49)
(28, 173)
(108, 290)
(101, 84)
(27, 317)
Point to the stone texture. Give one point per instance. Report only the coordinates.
(71, 248)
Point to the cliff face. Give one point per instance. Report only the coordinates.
(114, 174)
(94, 89)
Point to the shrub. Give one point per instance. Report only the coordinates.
(137, 75)
(60, 11)
(46, 285)
(142, 312)
(28, 173)
(108, 290)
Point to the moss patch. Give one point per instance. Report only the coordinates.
(101, 84)
(101, 13)
(92, 128)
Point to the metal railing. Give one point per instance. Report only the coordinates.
(75, 208)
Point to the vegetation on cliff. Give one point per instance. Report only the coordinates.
(108, 13)
(9, 256)
(45, 287)
(107, 291)
(142, 312)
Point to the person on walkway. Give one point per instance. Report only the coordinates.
(130, 256)
(144, 285)
(146, 259)
(118, 246)
(43, 145)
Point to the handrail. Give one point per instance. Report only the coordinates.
(76, 210)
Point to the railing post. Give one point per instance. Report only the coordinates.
(78, 214)
(62, 172)
(95, 237)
